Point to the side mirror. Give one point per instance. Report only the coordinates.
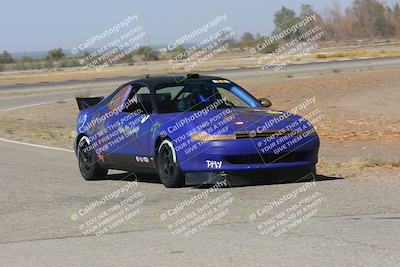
(265, 102)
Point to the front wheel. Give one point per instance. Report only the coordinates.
(168, 167)
(88, 165)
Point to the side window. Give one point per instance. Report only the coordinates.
(169, 92)
(165, 97)
(139, 101)
(119, 98)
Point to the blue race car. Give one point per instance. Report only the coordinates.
(194, 129)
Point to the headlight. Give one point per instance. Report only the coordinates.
(204, 136)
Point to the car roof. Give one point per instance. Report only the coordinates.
(153, 81)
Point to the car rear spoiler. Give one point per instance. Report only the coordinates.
(87, 102)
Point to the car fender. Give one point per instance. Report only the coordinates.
(171, 145)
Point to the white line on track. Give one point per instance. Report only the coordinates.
(35, 145)
(231, 68)
(33, 105)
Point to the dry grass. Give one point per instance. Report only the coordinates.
(360, 164)
(47, 124)
(239, 59)
(358, 53)
(138, 69)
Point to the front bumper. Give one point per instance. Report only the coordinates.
(248, 154)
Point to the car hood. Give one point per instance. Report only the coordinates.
(238, 120)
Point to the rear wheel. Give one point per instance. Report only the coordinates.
(88, 165)
(168, 167)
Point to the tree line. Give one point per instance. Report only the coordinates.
(56, 58)
(364, 19)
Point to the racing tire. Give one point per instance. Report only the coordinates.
(168, 167)
(88, 165)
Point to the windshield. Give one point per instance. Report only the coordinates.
(193, 96)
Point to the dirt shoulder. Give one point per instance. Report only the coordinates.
(232, 59)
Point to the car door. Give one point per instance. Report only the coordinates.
(104, 128)
(132, 126)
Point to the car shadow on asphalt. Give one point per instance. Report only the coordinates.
(130, 177)
(244, 182)
(249, 182)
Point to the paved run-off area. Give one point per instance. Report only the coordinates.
(357, 224)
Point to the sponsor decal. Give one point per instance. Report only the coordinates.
(145, 118)
(82, 119)
(221, 81)
(119, 98)
(142, 159)
(274, 112)
(129, 130)
(155, 127)
(93, 121)
(214, 164)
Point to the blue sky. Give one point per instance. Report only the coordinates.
(33, 25)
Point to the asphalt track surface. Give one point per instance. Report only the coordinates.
(356, 224)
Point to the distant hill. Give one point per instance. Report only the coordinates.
(34, 54)
(40, 54)
(67, 52)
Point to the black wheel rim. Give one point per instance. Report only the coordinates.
(84, 157)
(167, 162)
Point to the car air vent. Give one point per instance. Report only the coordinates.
(264, 134)
(269, 158)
